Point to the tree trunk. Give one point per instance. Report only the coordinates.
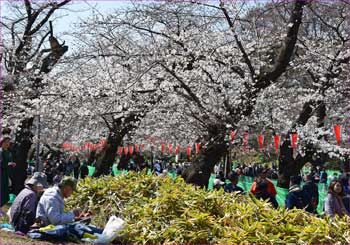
(211, 153)
(288, 166)
(21, 149)
(106, 158)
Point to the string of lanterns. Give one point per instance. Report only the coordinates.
(137, 148)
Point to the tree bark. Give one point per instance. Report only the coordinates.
(213, 148)
(106, 157)
(20, 153)
(287, 165)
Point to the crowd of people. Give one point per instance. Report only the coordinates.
(306, 196)
(41, 202)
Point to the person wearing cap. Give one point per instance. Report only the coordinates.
(51, 205)
(262, 176)
(218, 184)
(5, 163)
(232, 186)
(23, 209)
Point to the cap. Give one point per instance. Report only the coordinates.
(218, 182)
(38, 179)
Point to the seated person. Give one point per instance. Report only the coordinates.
(218, 184)
(262, 193)
(22, 213)
(232, 186)
(262, 174)
(51, 205)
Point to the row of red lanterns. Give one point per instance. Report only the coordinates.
(87, 145)
(130, 149)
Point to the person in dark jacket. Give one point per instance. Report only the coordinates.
(84, 170)
(323, 177)
(295, 197)
(23, 209)
(310, 190)
(262, 193)
(76, 167)
(232, 186)
(5, 163)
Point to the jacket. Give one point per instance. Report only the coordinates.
(51, 208)
(233, 188)
(23, 210)
(264, 195)
(311, 191)
(333, 204)
(270, 188)
(295, 198)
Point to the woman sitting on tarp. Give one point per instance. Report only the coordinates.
(23, 209)
(333, 203)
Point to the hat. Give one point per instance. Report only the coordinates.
(218, 182)
(68, 181)
(38, 179)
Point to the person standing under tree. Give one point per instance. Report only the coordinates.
(5, 162)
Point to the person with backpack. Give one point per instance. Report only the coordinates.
(295, 197)
(310, 190)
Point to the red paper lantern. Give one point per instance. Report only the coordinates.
(126, 150)
(198, 147)
(337, 132)
(245, 139)
(170, 148)
(131, 149)
(120, 150)
(163, 148)
(188, 150)
(277, 141)
(294, 140)
(136, 148)
(261, 141)
(177, 149)
(233, 133)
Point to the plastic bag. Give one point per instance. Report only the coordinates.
(110, 232)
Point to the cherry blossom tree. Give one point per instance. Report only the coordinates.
(26, 59)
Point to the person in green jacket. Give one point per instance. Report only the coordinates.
(5, 162)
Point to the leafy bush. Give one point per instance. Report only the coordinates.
(162, 210)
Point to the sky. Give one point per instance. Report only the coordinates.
(76, 10)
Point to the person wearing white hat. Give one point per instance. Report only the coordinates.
(23, 209)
